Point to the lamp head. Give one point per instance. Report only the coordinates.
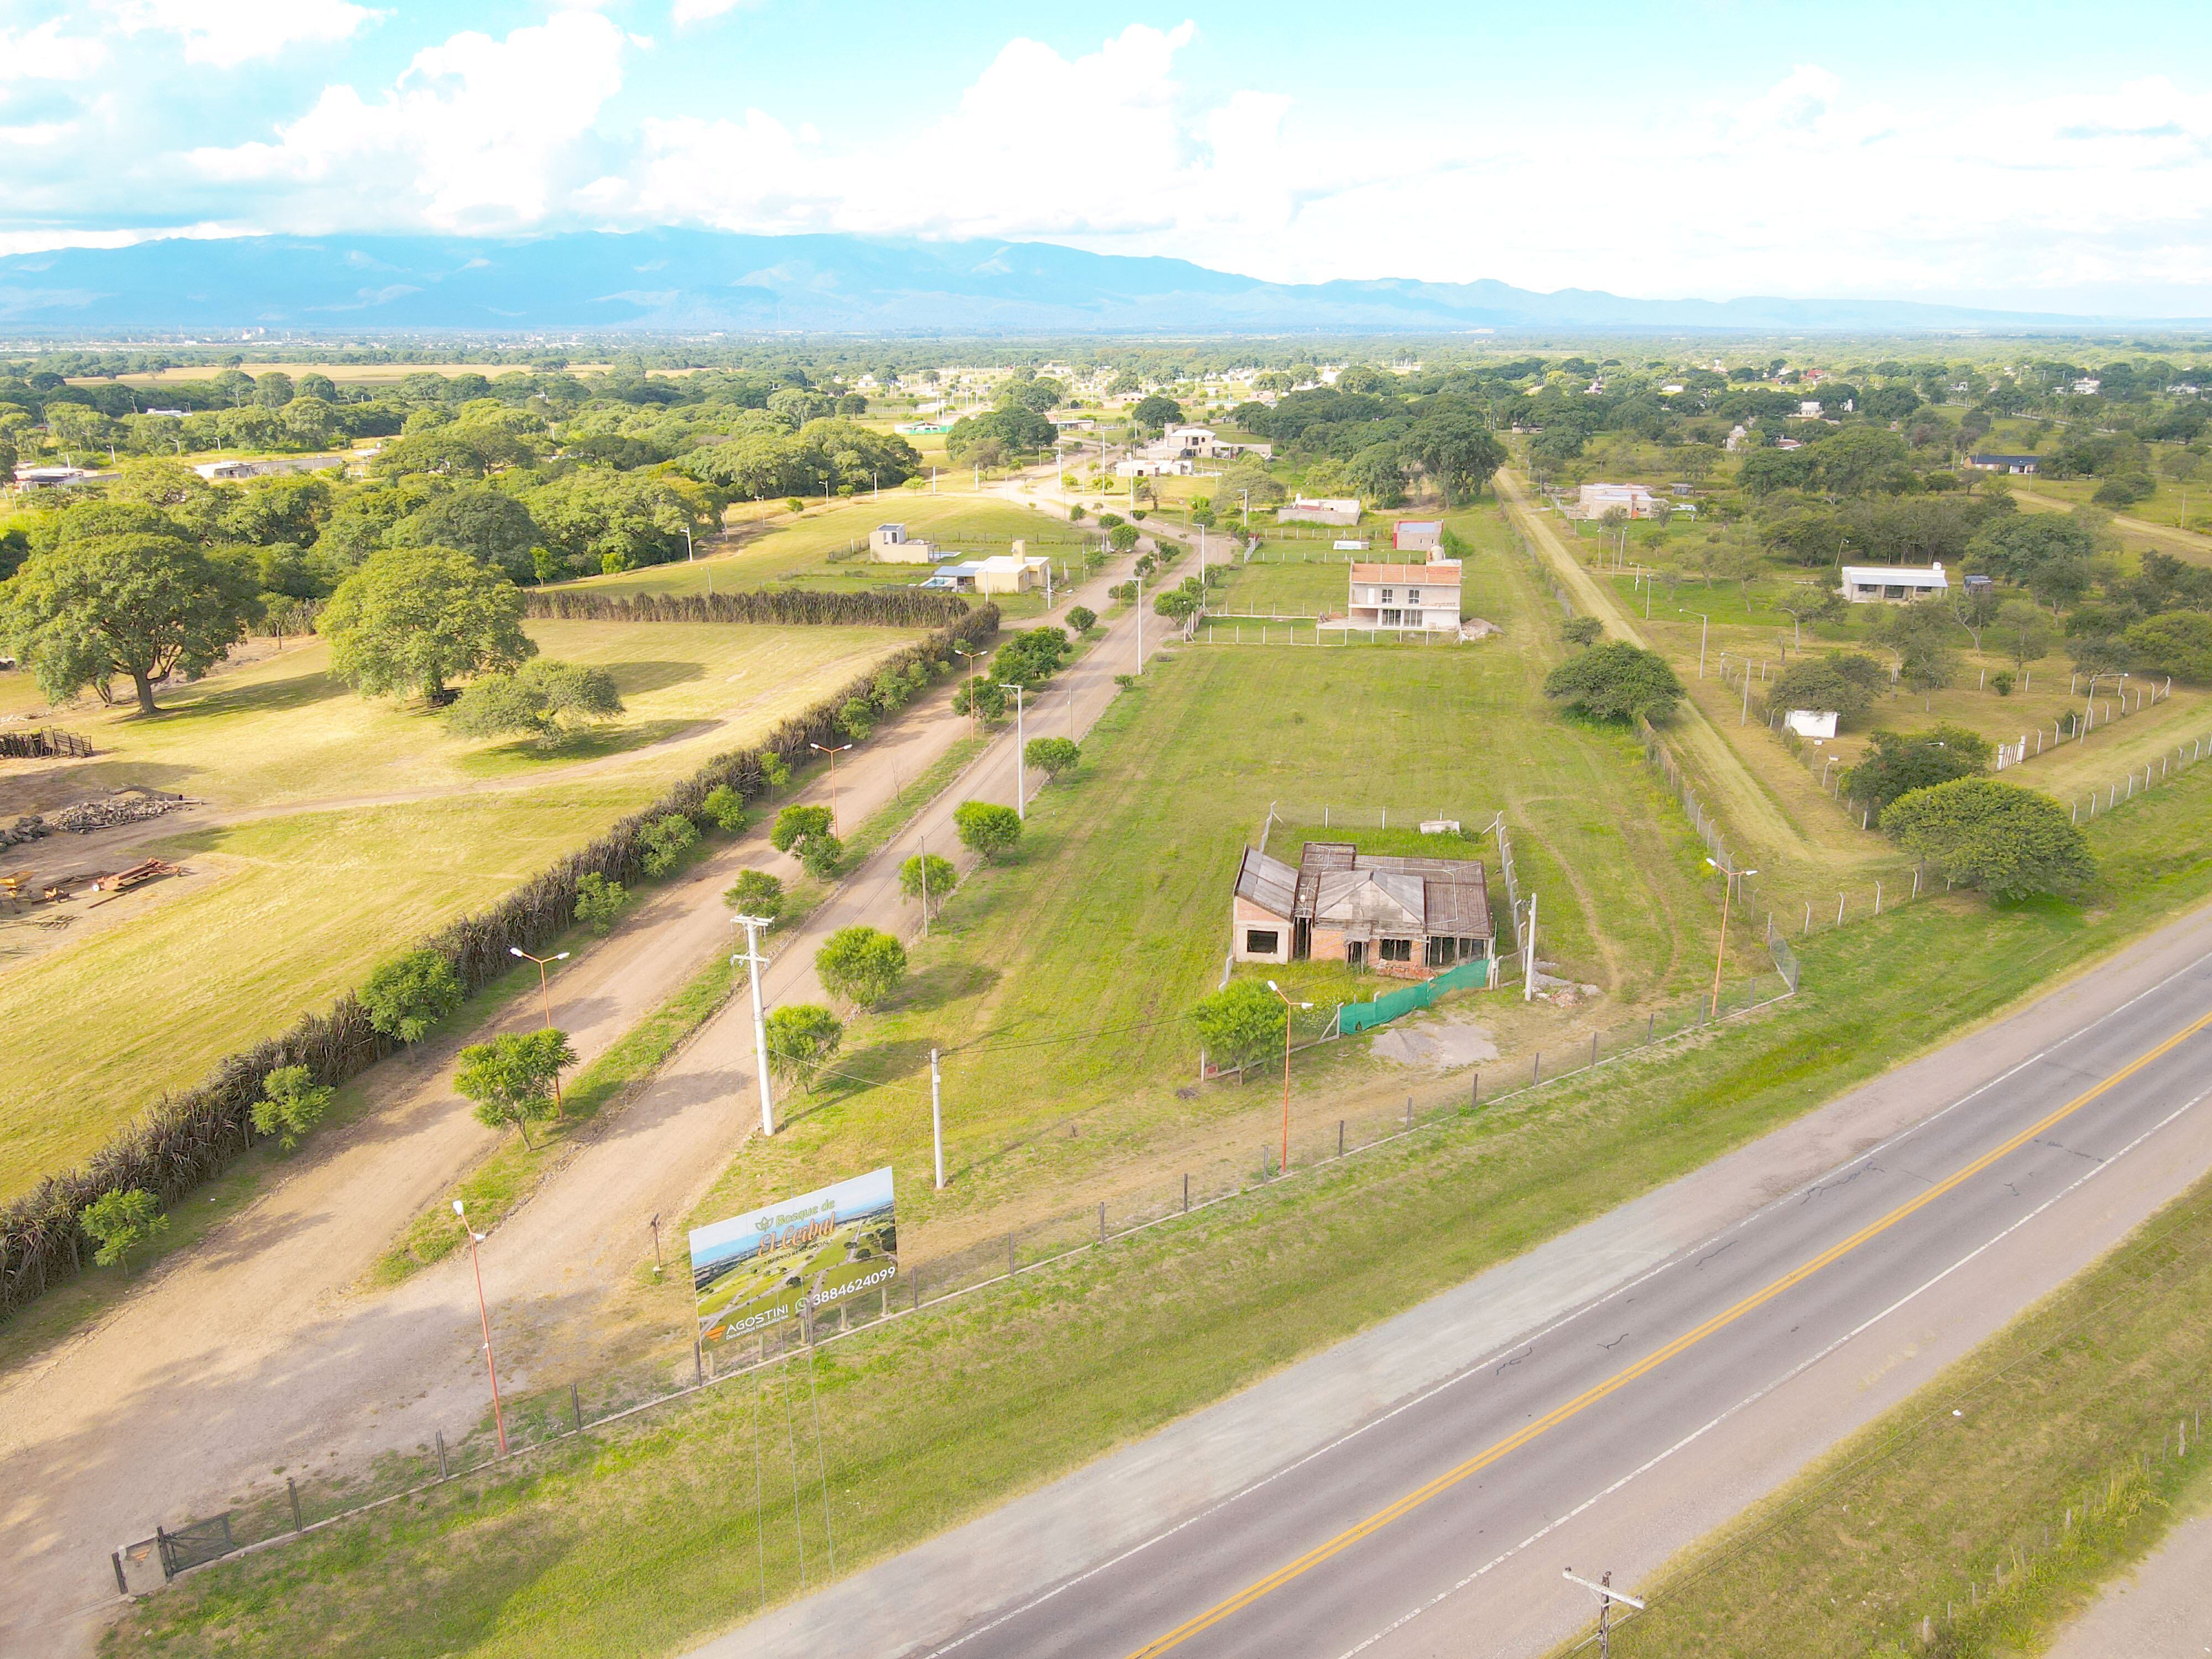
(563, 956)
(458, 1211)
(514, 950)
(1276, 988)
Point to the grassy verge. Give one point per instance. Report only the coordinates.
(877, 833)
(1978, 1534)
(502, 1180)
(651, 1537)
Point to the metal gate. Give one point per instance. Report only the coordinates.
(192, 1546)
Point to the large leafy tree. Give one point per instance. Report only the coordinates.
(2010, 843)
(2179, 643)
(1241, 1025)
(494, 528)
(1616, 681)
(1844, 683)
(141, 604)
(862, 964)
(542, 697)
(413, 619)
(1456, 448)
(1896, 764)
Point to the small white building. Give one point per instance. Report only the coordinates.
(1871, 584)
(1011, 573)
(1595, 501)
(1417, 535)
(1737, 438)
(1811, 722)
(1419, 596)
(1329, 509)
(49, 478)
(889, 544)
(1808, 409)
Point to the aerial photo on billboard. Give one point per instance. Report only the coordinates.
(761, 1267)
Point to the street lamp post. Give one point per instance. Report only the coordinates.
(1729, 879)
(754, 963)
(1021, 782)
(545, 997)
(974, 719)
(1705, 626)
(833, 754)
(1140, 624)
(483, 1310)
(1285, 1163)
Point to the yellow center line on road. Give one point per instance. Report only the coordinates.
(1482, 1460)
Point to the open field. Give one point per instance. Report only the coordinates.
(651, 1537)
(398, 828)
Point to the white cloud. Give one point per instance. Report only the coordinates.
(476, 134)
(227, 33)
(699, 11)
(44, 53)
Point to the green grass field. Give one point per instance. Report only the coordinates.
(294, 908)
(650, 1538)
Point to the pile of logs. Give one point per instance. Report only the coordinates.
(87, 815)
(30, 827)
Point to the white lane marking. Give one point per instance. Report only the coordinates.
(1489, 1357)
(1758, 1395)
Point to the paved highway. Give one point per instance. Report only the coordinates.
(1383, 1539)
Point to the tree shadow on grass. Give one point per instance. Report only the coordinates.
(589, 743)
(633, 677)
(188, 703)
(944, 982)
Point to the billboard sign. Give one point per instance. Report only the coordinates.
(769, 1264)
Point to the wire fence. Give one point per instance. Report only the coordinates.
(538, 1420)
(2180, 758)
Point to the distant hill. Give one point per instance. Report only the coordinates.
(692, 281)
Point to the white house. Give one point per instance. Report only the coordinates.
(1811, 722)
(889, 544)
(1595, 501)
(1417, 535)
(1011, 573)
(1423, 596)
(1329, 509)
(1865, 584)
(1808, 409)
(49, 477)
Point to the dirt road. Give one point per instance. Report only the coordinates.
(250, 1353)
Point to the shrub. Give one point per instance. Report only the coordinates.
(862, 964)
(121, 1222)
(987, 829)
(1896, 764)
(665, 841)
(2008, 842)
(755, 893)
(1844, 683)
(1242, 1024)
(2177, 642)
(541, 696)
(985, 697)
(599, 902)
(801, 1038)
(1081, 619)
(1052, 755)
(820, 855)
(1616, 681)
(2002, 683)
(514, 1077)
(1122, 537)
(857, 719)
(1581, 630)
(926, 876)
(292, 1102)
(795, 824)
(793, 504)
(408, 995)
(727, 808)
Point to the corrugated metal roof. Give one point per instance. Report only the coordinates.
(1442, 573)
(1268, 883)
(1445, 897)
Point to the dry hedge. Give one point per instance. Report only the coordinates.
(185, 1139)
(882, 607)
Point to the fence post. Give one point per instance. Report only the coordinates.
(1651, 1025)
(576, 1407)
(1102, 1221)
(1186, 1192)
(122, 1584)
(1593, 1047)
(1536, 1069)
(441, 1454)
(699, 1361)
(292, 1491)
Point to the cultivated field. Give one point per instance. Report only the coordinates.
(335, 829)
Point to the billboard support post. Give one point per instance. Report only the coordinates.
(754, 963)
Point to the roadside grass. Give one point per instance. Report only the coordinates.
(1980, 1533)
(298, 907)
(645, 1537)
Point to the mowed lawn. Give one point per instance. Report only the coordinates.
(1057, 986)
(301, 905)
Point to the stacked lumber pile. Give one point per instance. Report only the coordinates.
(87, 815)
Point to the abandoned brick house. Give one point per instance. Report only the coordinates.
(1405, 917)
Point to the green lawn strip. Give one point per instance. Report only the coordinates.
(647, 1540)
(494, 1187)
(1979, 1533)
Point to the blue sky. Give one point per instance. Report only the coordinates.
(2045, 155)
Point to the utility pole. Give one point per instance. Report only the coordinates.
(833, 754)
(922, 843)
(1284, 1163)
(1140, 624)
(499, 1419)
(1607, 1596)
(1727, 891)
(1021, 782)
(755, 963)
(937, 1119)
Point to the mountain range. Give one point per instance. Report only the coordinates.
(694, 281)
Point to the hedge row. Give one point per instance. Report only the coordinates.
(885, 607)
(186, 1138)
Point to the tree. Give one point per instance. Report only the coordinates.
(1122, 537)
(408, 995)
(795, 824)
(857, 719)
(2021, 632)
(1081, 619)
(512, 1079)
(541, 697)
(1457, 448)
(292, 1102)
(412, 619)
(2179, 643)
(1581, 630)
(864, 965)
(1858, 459)
(493, 528)
(986, 698)
(1896, 764)
(599, 902)
(1616, 681)
(987, 829)
(1844, 683)
(143, 605)
(820, 855)
(2008, 842)
(756, 893)
(926, 874)
(1242, 1024)
(1156, 412)
(121, 1222)
(801, 1038)
(666, 840)
(1053, 756)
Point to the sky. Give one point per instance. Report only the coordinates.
(2040, 156)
